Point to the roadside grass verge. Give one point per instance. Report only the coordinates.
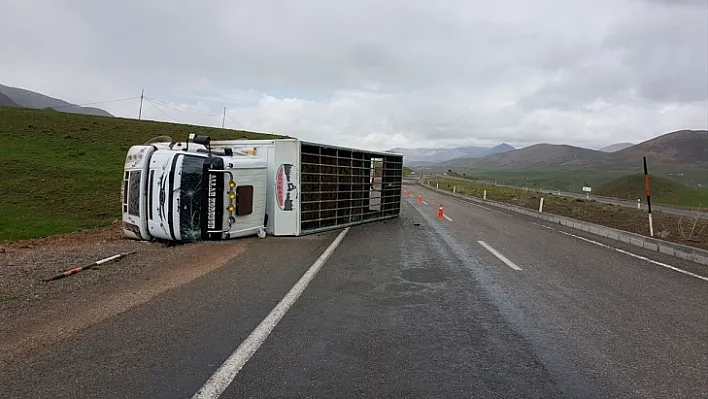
(61, 172)
(681, 230)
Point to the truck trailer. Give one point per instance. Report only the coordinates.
(212, 190)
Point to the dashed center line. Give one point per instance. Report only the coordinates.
(424, 203)
(499, 255)
(698, 276)
(447, 217)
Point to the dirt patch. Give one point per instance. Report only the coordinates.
(37, 313)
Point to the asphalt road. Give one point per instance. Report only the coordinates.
(476, 304)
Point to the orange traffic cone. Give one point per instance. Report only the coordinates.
(420, 198)
(408, 192)
(441, 214)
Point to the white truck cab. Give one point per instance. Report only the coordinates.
(189, 192)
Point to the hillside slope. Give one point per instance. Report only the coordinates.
(31, 99)
(6, 101)
(62, 172)
(686, 147)
(548, 156)
(615, 147)
(663, 191)
(422, 156)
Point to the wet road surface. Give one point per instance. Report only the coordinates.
(479, 303)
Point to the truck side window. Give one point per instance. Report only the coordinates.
(244, 200)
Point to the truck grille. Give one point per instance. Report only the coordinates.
(134, 193)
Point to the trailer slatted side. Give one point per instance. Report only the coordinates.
(341, 187)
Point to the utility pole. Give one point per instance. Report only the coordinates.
(140, 113)
(223, 118)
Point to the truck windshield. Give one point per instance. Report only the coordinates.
(190, 198)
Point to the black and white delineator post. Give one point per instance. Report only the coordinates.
(646, 188)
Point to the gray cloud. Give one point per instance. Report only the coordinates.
(378, 73)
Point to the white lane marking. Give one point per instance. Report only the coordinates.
(499, 255)
(628, 253)
(226, 373)
(425, 203)
(481, 206)
(487, 208)
(447, 217)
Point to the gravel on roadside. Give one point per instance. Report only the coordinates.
(36, 313)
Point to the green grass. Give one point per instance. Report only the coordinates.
(62, 172)
(670, 227)
(663, 191)
(573, 180)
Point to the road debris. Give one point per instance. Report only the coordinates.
(82, 268)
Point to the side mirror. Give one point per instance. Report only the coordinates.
(203, 140)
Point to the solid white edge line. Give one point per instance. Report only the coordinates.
(226, 373)
(447, 217)
(499, 255)
(487, 208)
(478, 205)
(698, 276)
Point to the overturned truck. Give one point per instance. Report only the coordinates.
(212, 190)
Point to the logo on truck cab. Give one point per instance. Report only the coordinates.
(285, 189)
(211, 203)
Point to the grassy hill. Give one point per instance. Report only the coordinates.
(539, 156)
(689, 147)
(615, 147)
(62, 172)
(681, 156)
(663, 191)
(7, 101)
(31, 99)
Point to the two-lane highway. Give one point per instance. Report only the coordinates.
(626, 326)
(478, 303)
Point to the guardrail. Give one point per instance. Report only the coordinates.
(653, 244)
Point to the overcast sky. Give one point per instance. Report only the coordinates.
(376, 74)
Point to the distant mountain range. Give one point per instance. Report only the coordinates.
(683, 147)
(429, 156)
(615, 147)
(17, 97)
(7, 101)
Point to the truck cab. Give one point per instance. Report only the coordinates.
(189, 192)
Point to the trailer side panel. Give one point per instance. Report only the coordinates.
(342, 186)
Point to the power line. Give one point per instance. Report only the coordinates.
(172, 105)
(97, 102)
(180, 107)
(238, 124)
(163, 112)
